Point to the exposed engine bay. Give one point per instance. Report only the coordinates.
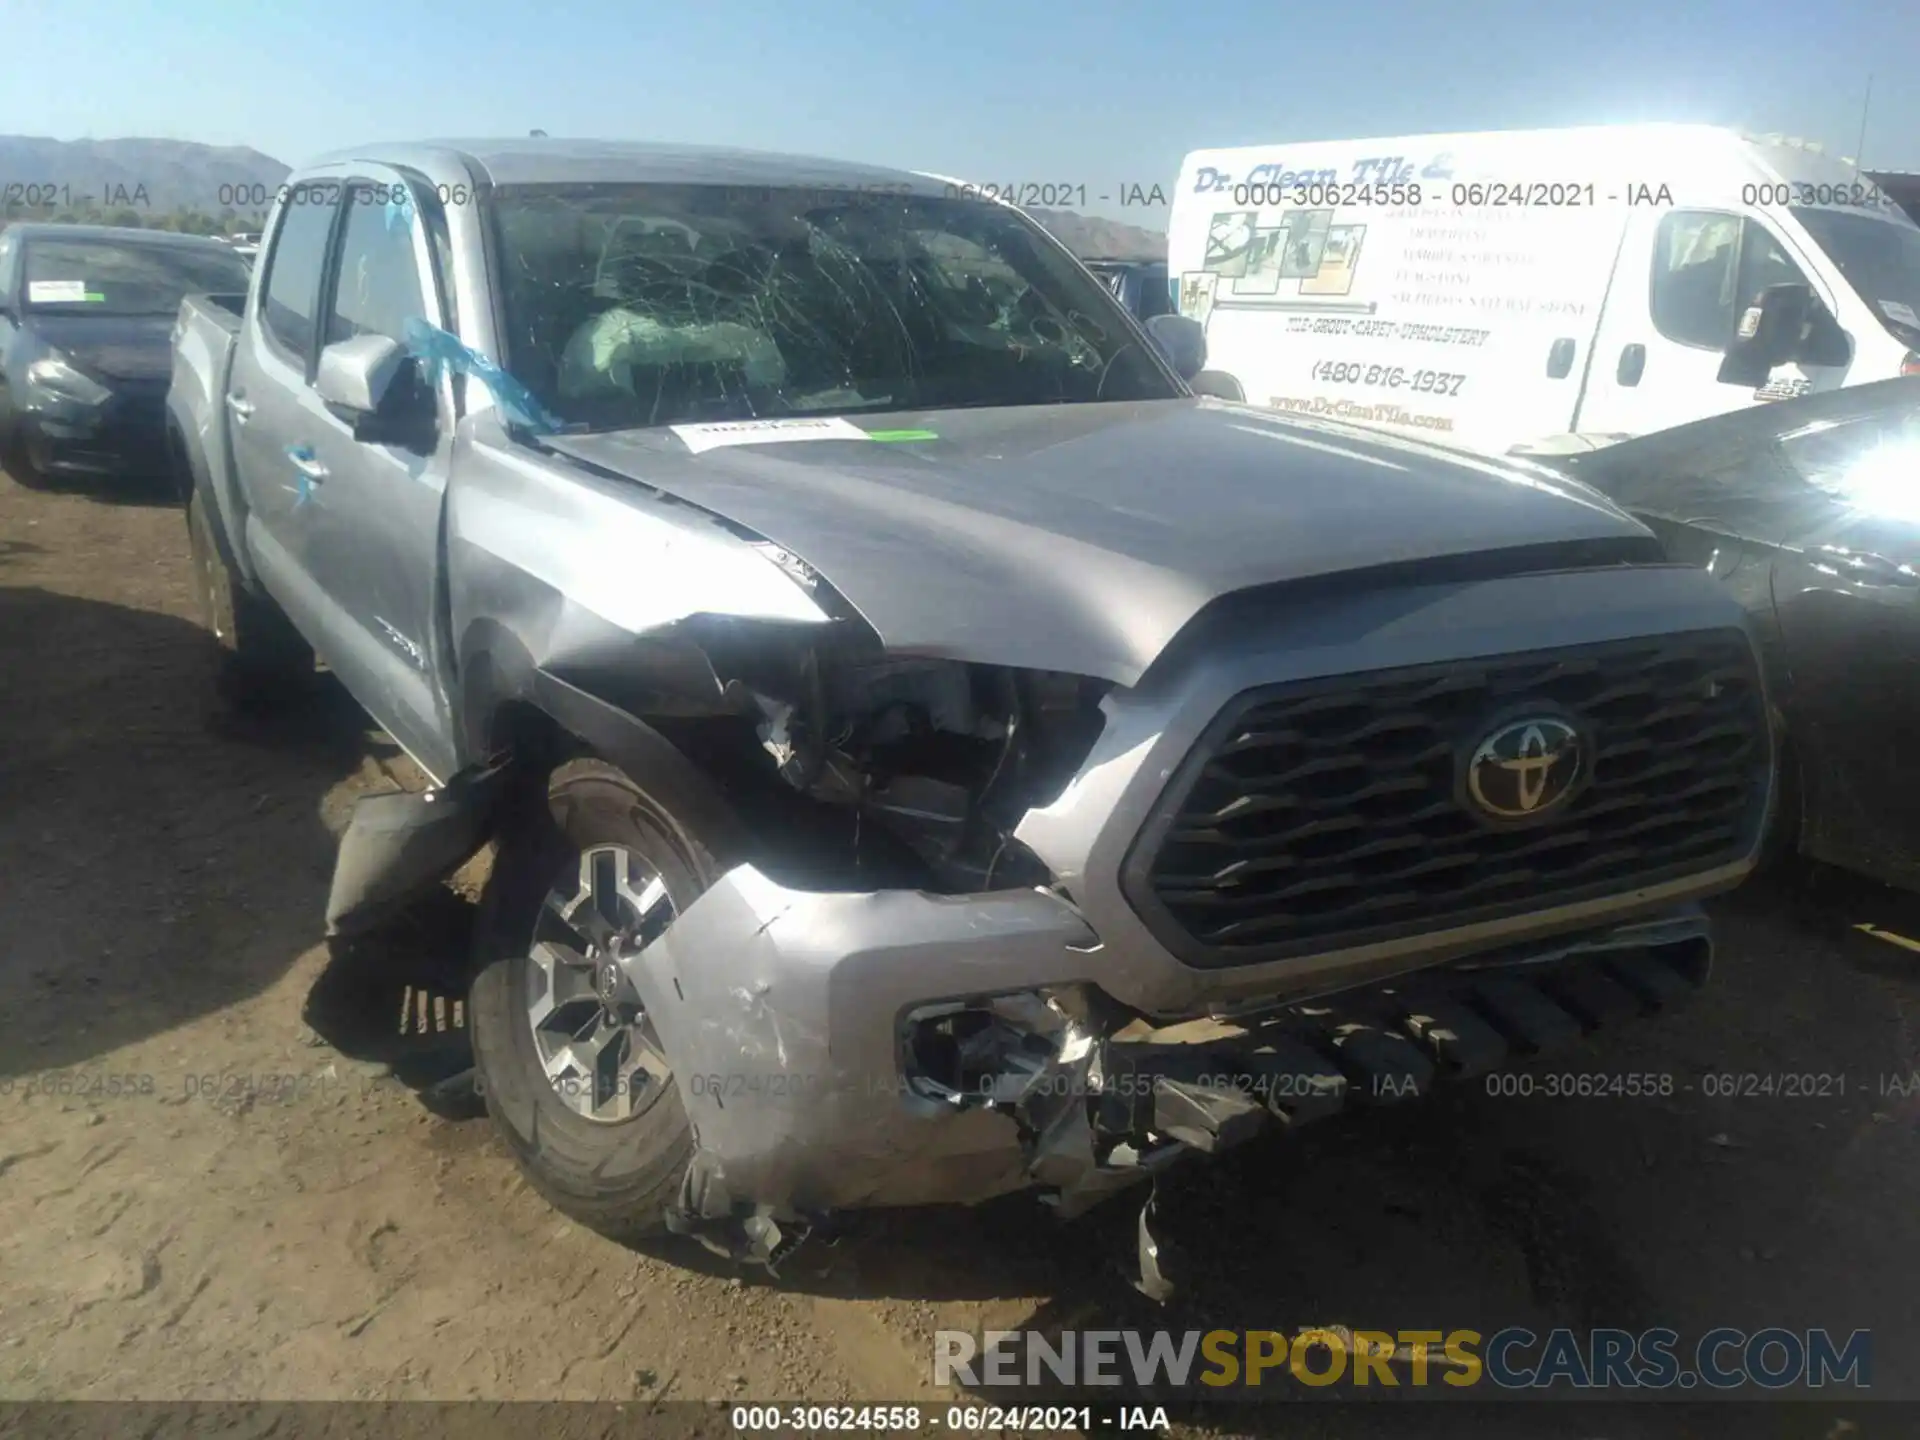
(944, 757)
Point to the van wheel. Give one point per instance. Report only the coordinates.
(262, 654)
(573, 1073)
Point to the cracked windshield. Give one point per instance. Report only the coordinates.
(978, 720)
(656, 305)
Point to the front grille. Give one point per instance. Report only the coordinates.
(1323, 814)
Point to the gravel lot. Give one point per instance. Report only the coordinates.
(232, 1191)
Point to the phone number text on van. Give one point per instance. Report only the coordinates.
(1389, 377)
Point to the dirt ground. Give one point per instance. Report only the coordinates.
(218, 1178)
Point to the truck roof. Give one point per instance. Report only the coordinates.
(540, 161)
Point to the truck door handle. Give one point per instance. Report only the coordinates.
(302, 459)
(1560, 359)
(1633, 364)
(242, 409)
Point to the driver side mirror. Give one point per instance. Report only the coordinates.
(375, 386)
(1183, 340)
(1788, 323)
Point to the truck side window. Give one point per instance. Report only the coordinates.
(378, 289)
(1694, 254)
(293, 274)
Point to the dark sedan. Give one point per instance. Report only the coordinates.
(86, 315)
(1810, 510)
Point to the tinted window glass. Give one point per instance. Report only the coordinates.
(110, 277)
(1155, 297)
(299, 255)
(1693, 277)
(639, 305)
(379, 288)
(1764, 262)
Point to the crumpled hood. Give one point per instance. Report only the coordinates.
(1083, 538)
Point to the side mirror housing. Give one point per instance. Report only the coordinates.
(1219, 384)
(1770, 333)
(1183, 340)
(376, 387)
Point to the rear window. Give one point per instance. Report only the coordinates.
(110, 277)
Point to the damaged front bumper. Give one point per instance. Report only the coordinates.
(850, 1051)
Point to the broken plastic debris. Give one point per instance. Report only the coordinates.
(439, 349)
(1152, 1280)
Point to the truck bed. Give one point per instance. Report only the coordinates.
(225, 309)
(204, 338)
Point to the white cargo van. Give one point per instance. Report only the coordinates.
(1542, 289)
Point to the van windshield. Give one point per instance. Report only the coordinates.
(642, 305)
(1879, 258)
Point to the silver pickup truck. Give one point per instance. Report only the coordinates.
(929, 750)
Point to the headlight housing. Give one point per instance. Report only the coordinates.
(55, 377)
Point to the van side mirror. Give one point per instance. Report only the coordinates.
(1769, 333)
(1183, 340)
(375, 386)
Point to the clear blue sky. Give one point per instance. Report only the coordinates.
(1067, 91)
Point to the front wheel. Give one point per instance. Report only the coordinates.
(14, 457)
(573, 1074)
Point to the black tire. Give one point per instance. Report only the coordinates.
(262, 656)
(615, 1177)
(15, 460)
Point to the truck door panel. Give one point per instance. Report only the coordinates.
(374, 540)
(269, 404)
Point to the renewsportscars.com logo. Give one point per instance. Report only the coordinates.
(1513, 1359)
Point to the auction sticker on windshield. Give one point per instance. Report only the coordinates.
(59, 292)
(699, 438)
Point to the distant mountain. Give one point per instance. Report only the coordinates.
(147, 176)
(162, 176)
